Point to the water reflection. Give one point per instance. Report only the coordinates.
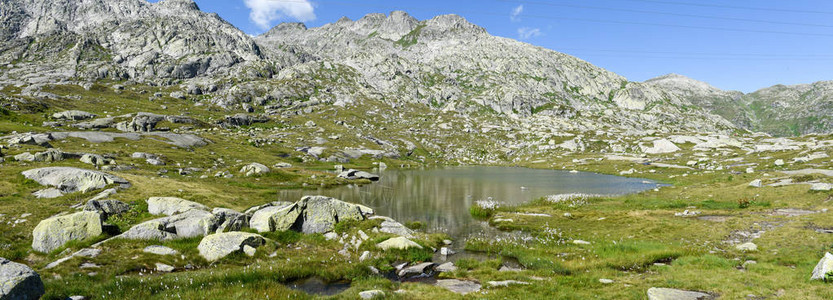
(440, 198)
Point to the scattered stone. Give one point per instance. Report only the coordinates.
(254, 169)
(53, 233)
(160, 250)
(756, 183)
(356, 174)
(107, 208)
(70, 180)
(580, 242)
(824, 267)
(95, 159)
(506, 283)
(674, 294)
(821, 187)
(779, 162)
(282, 165)
(171, 205)
(458, 286)
(249, 250)
(660, 147)
(390, 226)
(446, 267)
(400, 243)
(415, 270)
(160, 267)
(73, 115)
(605, 281)
(686, 213)
(49, 193)
(372, 294)
(18, 281)
(365, 256)
(217, 246)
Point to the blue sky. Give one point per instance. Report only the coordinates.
(739, 45)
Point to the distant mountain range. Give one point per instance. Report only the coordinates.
(445, 62)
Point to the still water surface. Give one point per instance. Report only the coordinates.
(440, 198)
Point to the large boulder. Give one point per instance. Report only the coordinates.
(254, 169)
(171, 205)
(191, 223)
(70, 180)
(356, 174)
(391, 226)
(275, 218)
(73, 115)
(230, 220)
(107, 208)
(320, 214)
(824, 267)
(458, 286)
(52, 233)
(661, 146)
(400, 243)
(674, 294)
(19, 282)
(217, 246)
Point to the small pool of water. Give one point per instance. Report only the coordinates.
(440, 197)
(317, 286)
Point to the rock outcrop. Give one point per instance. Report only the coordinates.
(53, 233)
(70, 180)
(19, 282)
(216, 246)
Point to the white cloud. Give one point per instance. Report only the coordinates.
(264, 12)
(526, 32)
(516, 13)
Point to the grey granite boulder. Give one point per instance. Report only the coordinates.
(171, 205)
(52, 233)
(70, 180)
(107, 208)
(217, 246)
(73, 115)
(674, 294)
(19, 282)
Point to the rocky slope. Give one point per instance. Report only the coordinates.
(54, 40)
(449, 63)
(445, 63)
(779, 110)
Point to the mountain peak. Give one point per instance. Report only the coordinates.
(454, 24)
(180, 4)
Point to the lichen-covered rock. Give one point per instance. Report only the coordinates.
(70, 180)
(254, 169)
(400, 243)
(106, 208)
(52, 233)
(19, 282)
(95, 159)
(191, 223)
(391, 226)
(230, 220)
(160, 250)
(824, 267)
(275, 218)
(73, 115)
(356, 174)
(320, 214)
(48, 193)
(674, 294)
(458, 286)
(171, 205)
(217, 246)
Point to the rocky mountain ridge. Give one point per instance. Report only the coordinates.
(446, 63)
